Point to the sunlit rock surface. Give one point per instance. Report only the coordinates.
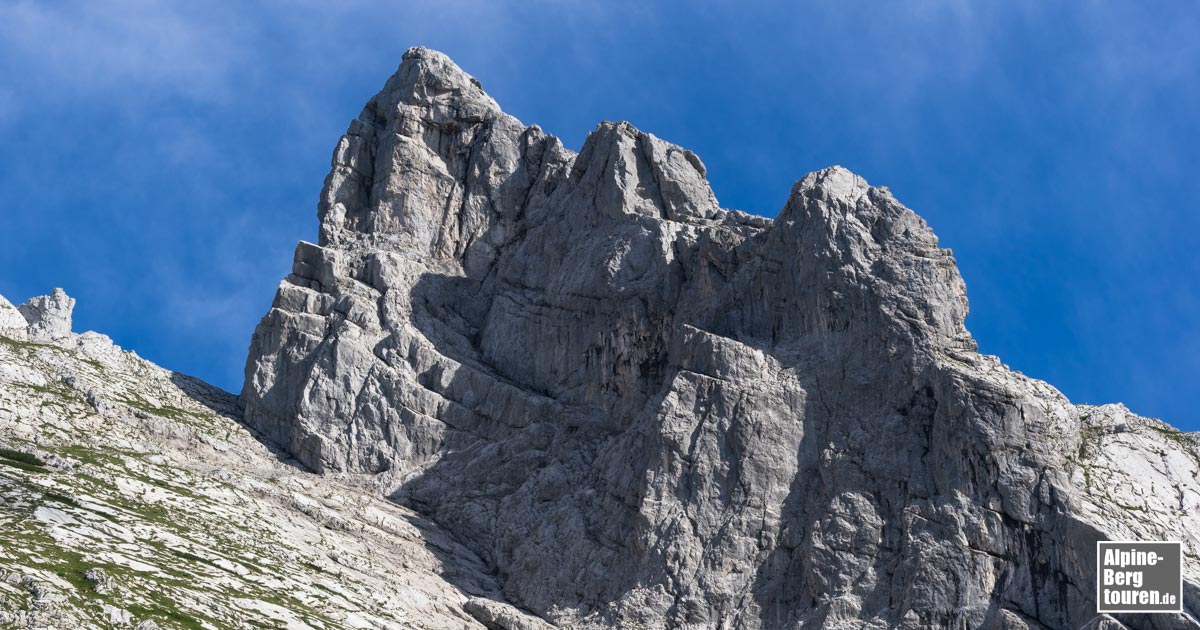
(131, 496)
(642, 410)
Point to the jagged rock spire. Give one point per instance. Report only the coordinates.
(45, 318)
(49, 316)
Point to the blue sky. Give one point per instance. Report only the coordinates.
(160, 160)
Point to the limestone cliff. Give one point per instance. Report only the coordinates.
(643, 410)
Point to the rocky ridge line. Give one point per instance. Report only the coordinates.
(133, 497)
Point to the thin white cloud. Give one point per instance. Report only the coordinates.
(104, 49)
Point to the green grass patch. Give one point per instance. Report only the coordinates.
(49, 390)
(27, 467)
(1087, 475)
(1174, 435)
(95, 364)
(21, 456)
(169, 412)
(61, 498)
(178, 489)
(170, 615)
(315, 567)
(17, 344)
(1180, 441)
(191, 557)
(1089, 441)
(90, 455)
(55, 394)
(161, 608)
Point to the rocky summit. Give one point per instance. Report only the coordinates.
(516, 387)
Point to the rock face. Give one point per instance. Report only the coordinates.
(642, 410)
(12, 322)
(132, 497)
(48, 316)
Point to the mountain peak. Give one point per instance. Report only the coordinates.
(624, 170)
(423, 122)
(643, 410)
(430, 80)
(833, 183)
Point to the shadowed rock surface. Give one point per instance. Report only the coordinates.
(643, 410)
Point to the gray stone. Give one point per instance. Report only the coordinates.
(642, 410)
(12, 322)
(1103, 622)
(48, 316)
(101, 581)
(500, 616)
